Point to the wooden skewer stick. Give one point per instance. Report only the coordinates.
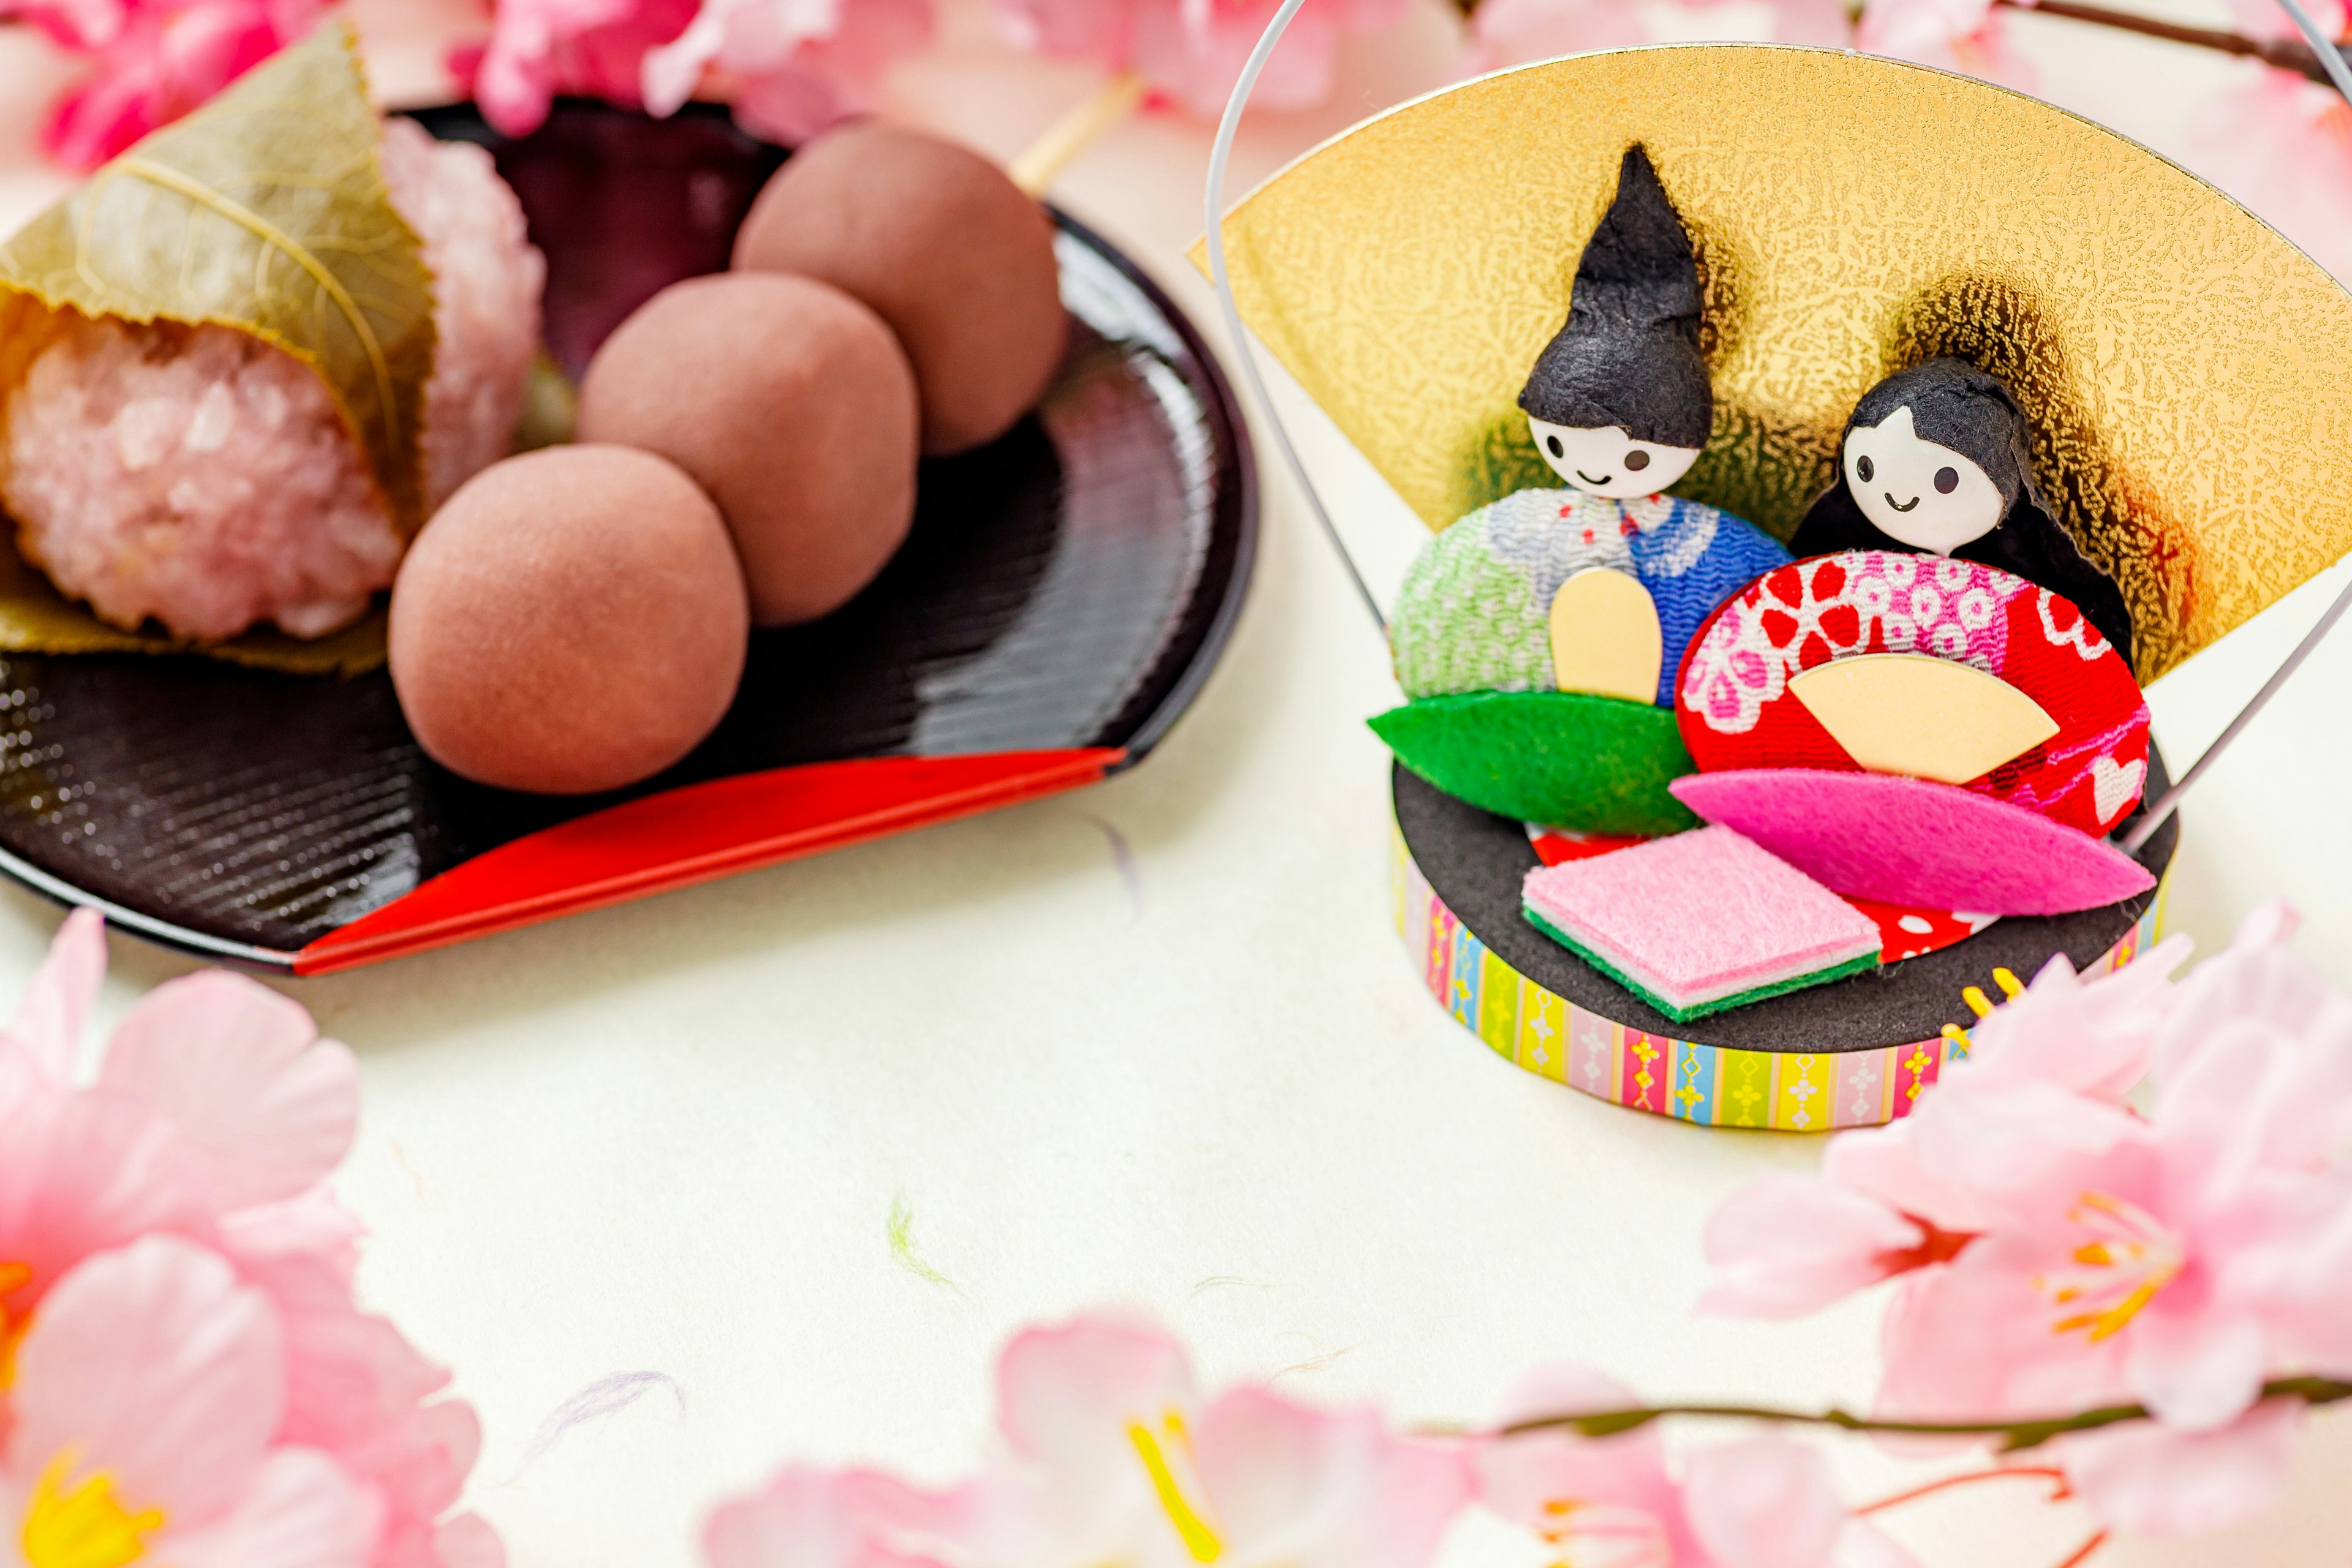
(1046, 157)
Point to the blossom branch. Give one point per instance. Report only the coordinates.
(2282, 53)
(2015, 1436)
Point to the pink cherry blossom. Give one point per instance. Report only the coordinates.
(146, 1409)
(2045, 1077)
(793, 68)
(1761, 1502)
(1513, 32)
(212, 1122)
(2283, 145)
(1968, 35)
(154, 60)
(1191, 52)
(1110, 1455)
(538, 48)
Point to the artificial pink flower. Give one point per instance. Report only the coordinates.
(1191, 52)
(2283, 145)
(1966, 35)
(1762, 1502)
(1513, 32)
(145, 1417)
(214, 1119)
(1110, 1457)
(155, 60)
(538, 48)
(2045, 1080)
(2177, 1268)
(793, 68)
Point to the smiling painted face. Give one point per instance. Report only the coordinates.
(1928, 497)
(1606, 461)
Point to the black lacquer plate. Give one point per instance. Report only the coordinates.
(1065, 590)
(1475, 862)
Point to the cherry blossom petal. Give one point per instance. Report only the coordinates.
(1522, 1477)
(1063, 1390)
(55, 1005)
(1766, 1502)
(83, 1171)
(303, 1512)
(1298, 1485)
(265, 1106)
(466, 1541)
(2197, 1371)
(1787, 1245)
(154, 1365)
(2145, 1479)
(808, 1517)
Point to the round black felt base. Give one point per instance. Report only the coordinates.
(1475, 861)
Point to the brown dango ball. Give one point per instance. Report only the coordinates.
(789, 403)
(944, 248)
(571, 620)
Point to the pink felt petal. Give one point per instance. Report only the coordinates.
(50, 1017)
(156, 1366)
(2143, 1478)
(267, 1108)
(1908, 841)
(1787, 1245)
(303, 1512)
(1766, 1503)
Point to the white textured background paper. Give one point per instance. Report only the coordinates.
(1155, 1043)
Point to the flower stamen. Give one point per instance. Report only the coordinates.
(1199, 1538)
(2131, 1256)
(85, 1528)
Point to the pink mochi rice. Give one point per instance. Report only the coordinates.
(202, 478)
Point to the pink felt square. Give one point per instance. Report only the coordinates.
(1700, 916)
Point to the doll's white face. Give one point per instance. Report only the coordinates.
(1927, 496)
(1608, 462)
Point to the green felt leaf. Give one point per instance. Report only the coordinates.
(1598, 764)
(264, 211)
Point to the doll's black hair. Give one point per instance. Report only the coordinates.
(1628, 353)
(1954, 404)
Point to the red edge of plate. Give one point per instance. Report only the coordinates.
(692, 835)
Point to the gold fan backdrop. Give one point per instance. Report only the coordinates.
(2188, 371)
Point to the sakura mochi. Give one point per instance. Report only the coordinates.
(1700, 921)
(201, 477)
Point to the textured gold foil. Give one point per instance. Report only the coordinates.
(2189, 372)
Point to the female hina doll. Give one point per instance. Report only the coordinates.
(1935, 460)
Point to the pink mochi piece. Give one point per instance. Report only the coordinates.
(1700, 916)
(1910, 841)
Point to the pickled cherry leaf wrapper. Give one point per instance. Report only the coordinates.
(264, 211)
(36, 618)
